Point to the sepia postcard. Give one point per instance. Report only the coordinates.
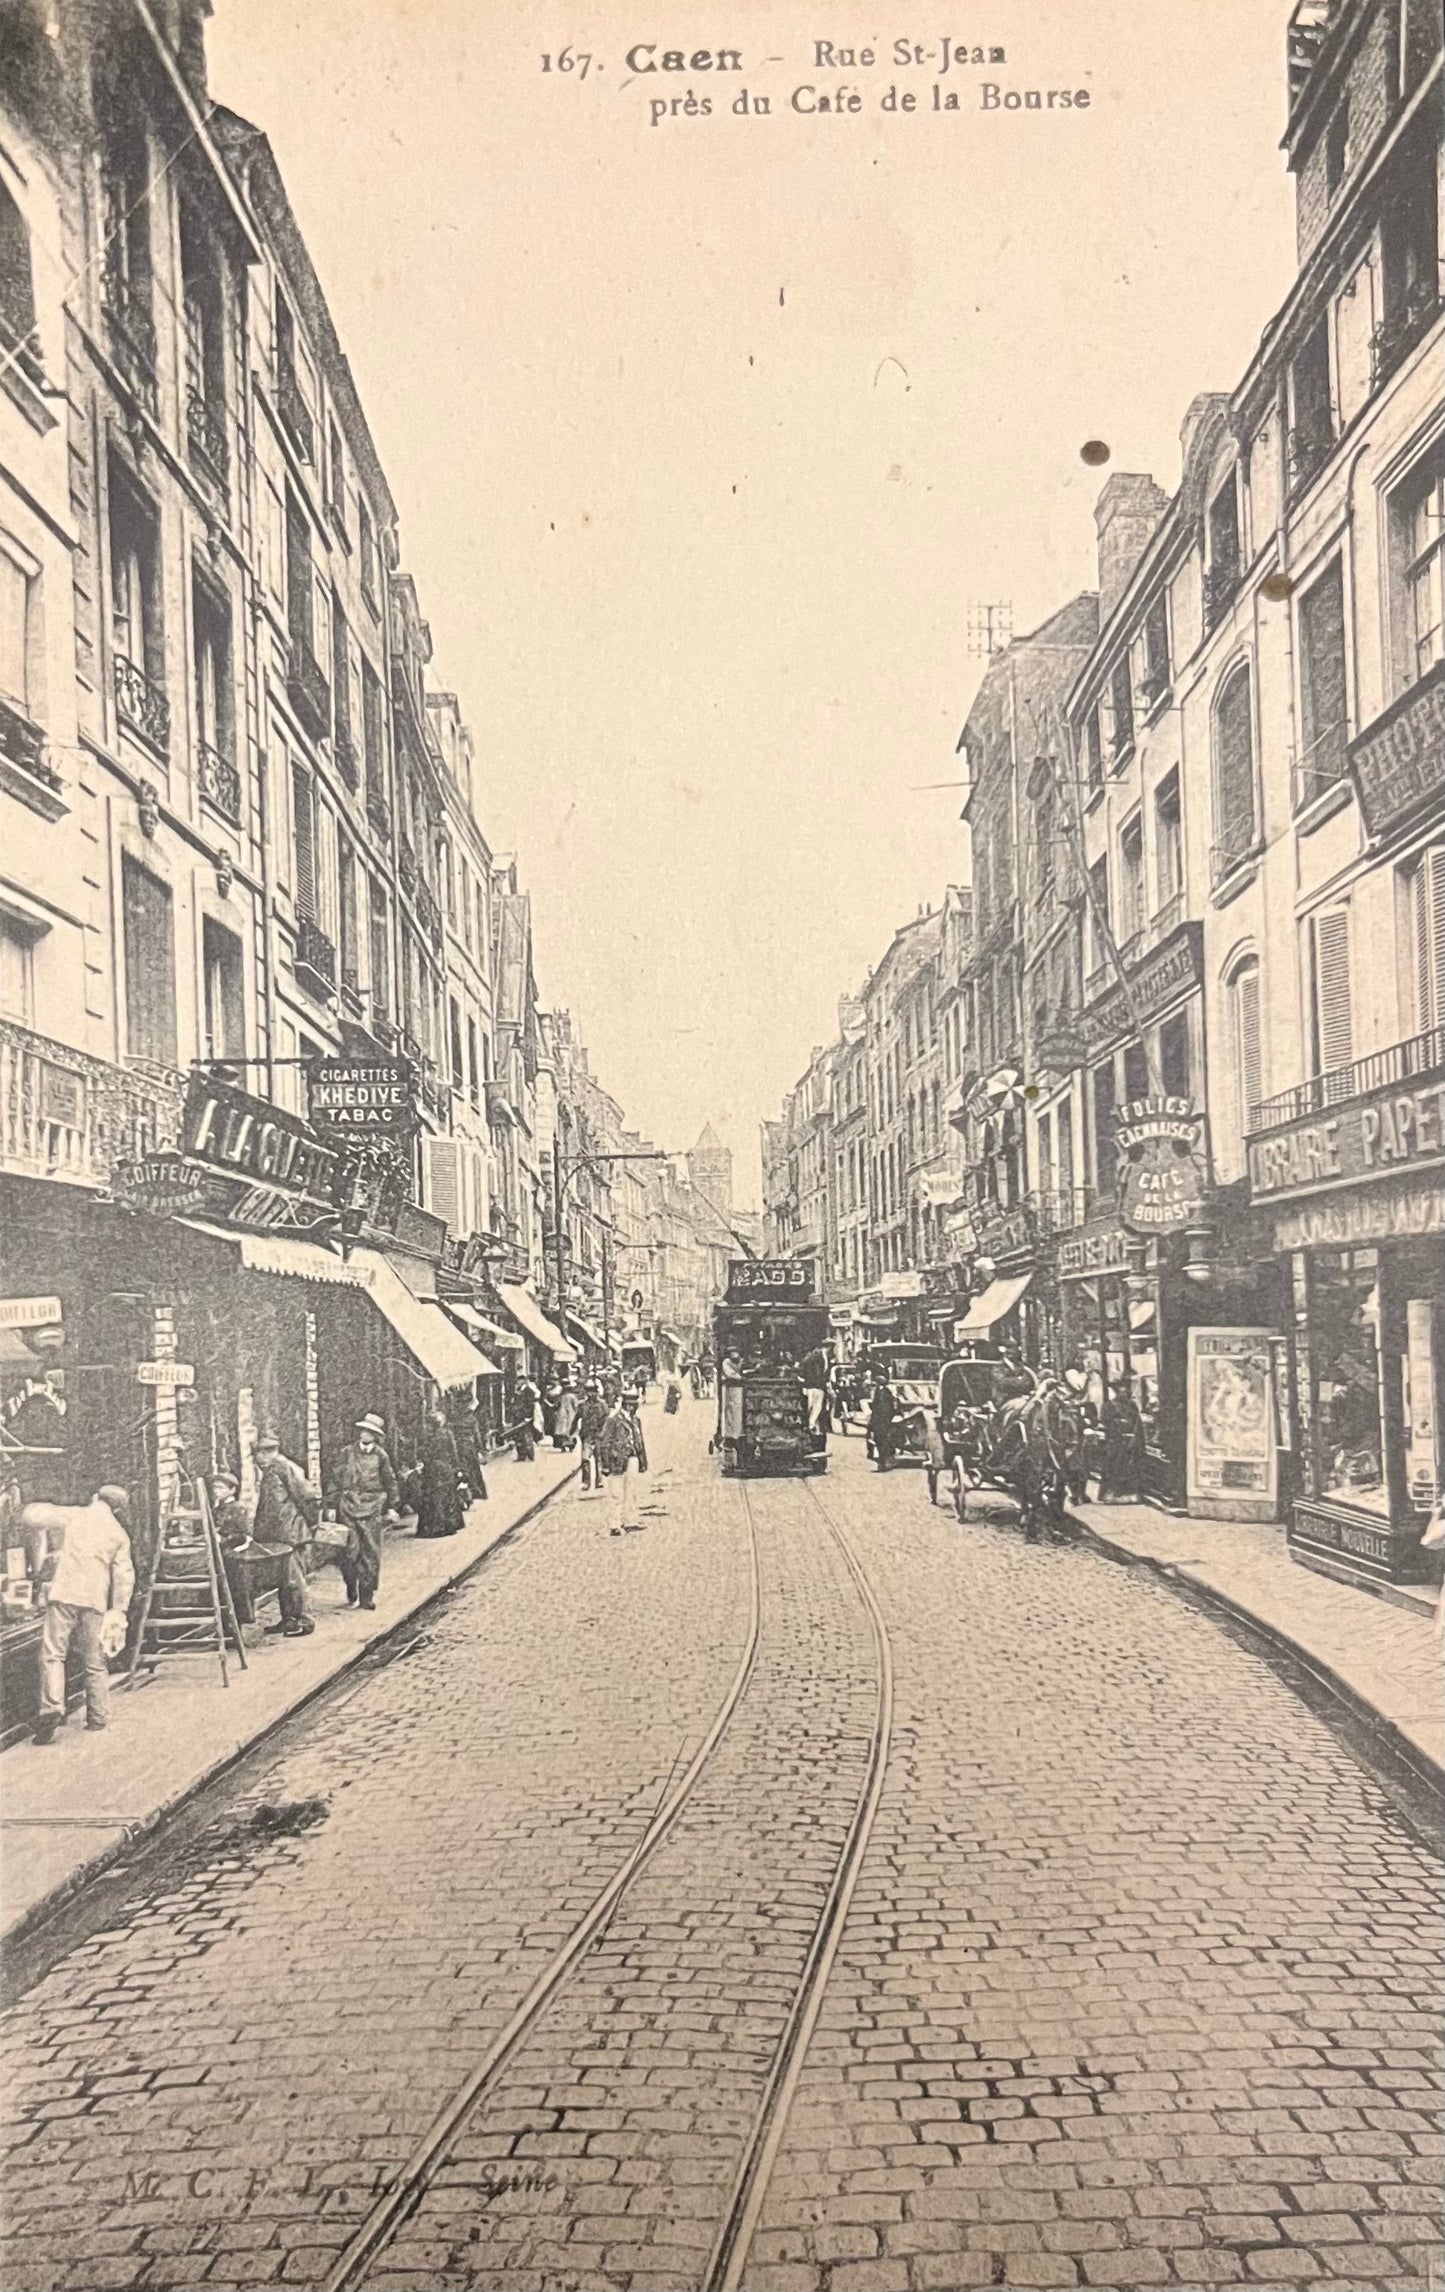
(722, 776)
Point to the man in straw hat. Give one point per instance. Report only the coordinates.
(362, 1492)
(88, 1578)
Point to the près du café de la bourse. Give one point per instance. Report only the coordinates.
(564, 1729)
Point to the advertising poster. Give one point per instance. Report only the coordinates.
(1232, 1461)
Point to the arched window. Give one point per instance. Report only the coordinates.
(1245, 1055)
(1235, 826)
(17, 284)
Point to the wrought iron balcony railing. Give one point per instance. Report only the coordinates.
(1221, 583)
(1394, 339)
(72, 1118)
(309, 690)
(430, 916)
(132, 333)
(295, 413)
(206, 435)
(1406, 1061)
(142, 705)
(1310, 446)
(344, 748)
(220, 783)
(315, 957)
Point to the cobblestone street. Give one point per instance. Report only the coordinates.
(1135, 1986)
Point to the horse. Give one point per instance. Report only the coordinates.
(1033, 1446)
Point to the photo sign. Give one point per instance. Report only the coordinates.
(356, 1101)
(1161, 1188)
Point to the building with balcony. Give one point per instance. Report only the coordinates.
(1327, 973)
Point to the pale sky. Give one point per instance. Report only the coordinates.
(707, 436)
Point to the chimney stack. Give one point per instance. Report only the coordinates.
(1125, 515)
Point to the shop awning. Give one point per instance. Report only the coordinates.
(287, 1254)
(528, 1315)
(447, 1356)
(500, 1340)
(593, 1336)
(999, 1298)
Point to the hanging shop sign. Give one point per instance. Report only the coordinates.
(274, 1153)
(1100, 1248)
(29, 1312)
(1009, 1233)
(1398, 762)
(1231, 1458)
(167, 1374)
(1372, 1136)
(784, 1280)
(362, 1099)
(1161, 1187)
(1156, 982)
(162, 1185)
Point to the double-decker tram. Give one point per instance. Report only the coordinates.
(770, 1343)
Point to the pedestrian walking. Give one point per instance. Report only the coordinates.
(564, 1418)
(287, 1509)
(882, 1423)
(526, 1407)
(441, 1495)
(363, 1495)
(590, 1419)
(622, 1453)
(87, 1575)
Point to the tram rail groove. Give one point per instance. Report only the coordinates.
(729, 2255)
(401, 2197)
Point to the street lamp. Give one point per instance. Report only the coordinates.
(563, 1177)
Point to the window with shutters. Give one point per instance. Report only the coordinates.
(348, 919)
(379, 950)
(135, 578)
(150, 965)
(1121, 713)
(1131, 883)
(454, 1044)
(1417, 516)
(224, 998)
(1176, 1064)
(1106, 1152)
(19, 618)
(1425, 885)
(1157, 668)
(1235, 827)
(474, 1064)
(300, 582)
(1332, 1040)
(303, 830)
(17, 970)
(1246, 1078)
(1168, 850)
(366, 549)
(1225, 551)
(1322, 687)
(1093, 750)
(343, 739)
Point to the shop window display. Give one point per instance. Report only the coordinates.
(1345, 1317)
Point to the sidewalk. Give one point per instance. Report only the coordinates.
(66, 1811)
(1387, 1660)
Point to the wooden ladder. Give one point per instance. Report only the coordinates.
(187, 1607)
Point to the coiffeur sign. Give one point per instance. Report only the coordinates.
(1163, 1186)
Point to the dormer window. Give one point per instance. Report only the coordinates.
(1224, 551)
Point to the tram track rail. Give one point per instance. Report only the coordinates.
(747, 2193)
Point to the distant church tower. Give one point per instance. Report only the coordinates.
(710, 1167)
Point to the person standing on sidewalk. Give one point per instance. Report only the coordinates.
(88, 1577)
(363, 1491)
(287, 1509)
(620, 1448)
(591, 1417)
(442, 1499)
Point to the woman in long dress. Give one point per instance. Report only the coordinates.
(439, 1510)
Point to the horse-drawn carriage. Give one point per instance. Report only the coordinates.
(1028, 1443)
(912, 1373)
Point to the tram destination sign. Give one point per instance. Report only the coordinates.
(770, 1281)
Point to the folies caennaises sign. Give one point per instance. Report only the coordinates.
(1161, 1187)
